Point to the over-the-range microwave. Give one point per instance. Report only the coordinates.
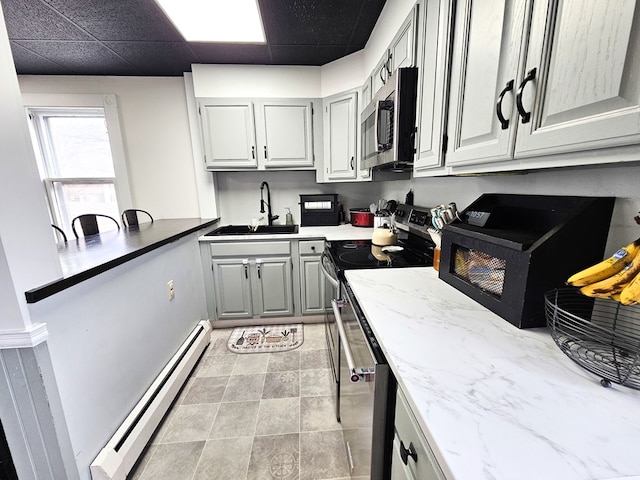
(389, 123)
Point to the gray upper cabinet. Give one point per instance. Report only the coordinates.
(486, 51)
(285, 128)
(585, 94)
(340, 114)
(402, 50)
(341, 134)
(400, 53)
(434, 26)
(228, 134)
(257, 134)
(542, 78)
(381, 73)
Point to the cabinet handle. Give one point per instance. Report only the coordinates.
(265, 151)
(503, 121)
(386, 65)
(526, 116)
(384, 80)
(259, 269)
(351, 163)
(253, 152)
(405, 454)
(245, 264)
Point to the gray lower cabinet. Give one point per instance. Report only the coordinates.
(252, 279)
(311, 279)
(412, 457)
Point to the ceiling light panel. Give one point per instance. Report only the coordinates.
(230, 21)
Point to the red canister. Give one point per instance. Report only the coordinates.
(361, 217)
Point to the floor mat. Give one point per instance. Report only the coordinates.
(266, 339)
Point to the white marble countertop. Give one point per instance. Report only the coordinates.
(331, 233)
(493, 401)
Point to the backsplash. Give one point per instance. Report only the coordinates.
(239, 194)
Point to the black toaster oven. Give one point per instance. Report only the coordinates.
(319, 209)
(507, 250)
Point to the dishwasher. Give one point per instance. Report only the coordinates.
(366, 391)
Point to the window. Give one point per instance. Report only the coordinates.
(75, 162)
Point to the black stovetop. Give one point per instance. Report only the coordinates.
(359, 254)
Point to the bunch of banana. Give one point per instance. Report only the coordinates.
(617, 277)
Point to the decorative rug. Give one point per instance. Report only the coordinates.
(266, 339)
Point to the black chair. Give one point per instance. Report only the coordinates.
(89, 223)
(60, 232)
(130, 217)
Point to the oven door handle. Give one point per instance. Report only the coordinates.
(325, 272)
(345, 344)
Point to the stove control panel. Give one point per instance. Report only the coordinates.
(413, 219)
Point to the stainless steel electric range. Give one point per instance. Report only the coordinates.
(364, 387)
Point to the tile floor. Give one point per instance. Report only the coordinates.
(251, 417)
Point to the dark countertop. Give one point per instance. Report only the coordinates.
(85, 258)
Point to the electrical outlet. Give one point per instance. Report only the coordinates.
(170, 291)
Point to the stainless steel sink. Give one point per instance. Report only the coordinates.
(248, 230)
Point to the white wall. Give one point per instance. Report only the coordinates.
(156, 135)
(256, 81)
(28, 255)
(110, 336)
(344, 74)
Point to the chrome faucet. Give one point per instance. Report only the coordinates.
(270, 217)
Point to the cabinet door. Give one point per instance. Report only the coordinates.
(586, 91)
(340, 122)
(421, 463)
(380, 73)
(487, 45)
(313, 295)
(366, 93)
(232, 285)
(228, 134)
(285, 133)
(273, 291)
(399, 471)
(435, 24)
(403, 46)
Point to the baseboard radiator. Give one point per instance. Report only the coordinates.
(120, 454)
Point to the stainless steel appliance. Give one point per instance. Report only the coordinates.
(364, 386)
(389, 123)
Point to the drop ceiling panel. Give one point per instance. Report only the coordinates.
(133, 37)
(82, 58)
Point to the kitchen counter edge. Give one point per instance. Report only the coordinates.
(330, 233)
(82, 259)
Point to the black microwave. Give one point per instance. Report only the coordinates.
(389, 123)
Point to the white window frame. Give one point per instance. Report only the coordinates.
(109, 106)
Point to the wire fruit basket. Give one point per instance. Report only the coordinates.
(600, 335)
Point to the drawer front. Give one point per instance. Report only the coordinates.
(311, 247)
(424, 466)
(242, 249)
